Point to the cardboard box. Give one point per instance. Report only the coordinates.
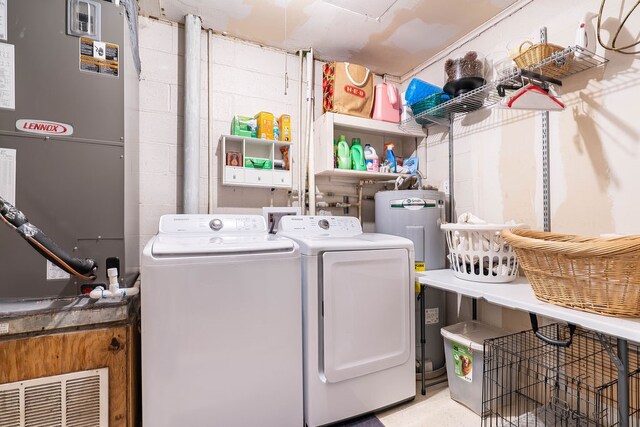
(285, 127)
(264, 121)
(234, 159)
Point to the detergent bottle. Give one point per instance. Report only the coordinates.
(357, 155)
(344, 158)
(371, 158)
(391, 159)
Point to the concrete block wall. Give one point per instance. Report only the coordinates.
(245, 79)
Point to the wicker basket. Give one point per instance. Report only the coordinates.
(585, 273)
(533, 54)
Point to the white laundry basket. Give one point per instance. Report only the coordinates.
(477, 252)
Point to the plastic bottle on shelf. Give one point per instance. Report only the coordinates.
(391, 158)
(371, 158)
(357, 155)
(344, 157)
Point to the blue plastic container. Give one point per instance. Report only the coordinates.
(419, 90)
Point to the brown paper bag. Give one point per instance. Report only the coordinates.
(347, 89)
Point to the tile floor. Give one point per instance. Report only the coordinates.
(434, 409)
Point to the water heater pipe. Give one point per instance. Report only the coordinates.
(191, 181)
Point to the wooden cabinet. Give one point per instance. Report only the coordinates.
(254, 162)
(115, 348)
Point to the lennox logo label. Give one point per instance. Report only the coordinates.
(44, 127)
(354, 91)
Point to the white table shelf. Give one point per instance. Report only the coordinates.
(519, 295)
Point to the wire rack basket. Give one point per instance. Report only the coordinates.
(528, 382)
(560, 64)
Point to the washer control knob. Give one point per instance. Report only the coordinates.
(216, 224)
(324, 224)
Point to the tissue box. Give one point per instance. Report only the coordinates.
(243, 126)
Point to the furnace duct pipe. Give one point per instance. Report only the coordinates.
(83, 269)
(191, 182)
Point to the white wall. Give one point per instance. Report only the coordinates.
(594, 143)
(246, 79)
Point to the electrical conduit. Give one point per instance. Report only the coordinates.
(191, 184)
(310, 154)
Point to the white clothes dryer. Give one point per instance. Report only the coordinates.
(358, 322)
(221, 324)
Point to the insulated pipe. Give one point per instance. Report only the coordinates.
(310, 156)
(301, 179)
(191, 182)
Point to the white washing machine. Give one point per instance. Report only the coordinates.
(221, 324)
(358, 304)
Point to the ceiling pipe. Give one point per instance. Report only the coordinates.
(191, 181)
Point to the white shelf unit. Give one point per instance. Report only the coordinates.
(330, 126)
(251, 177)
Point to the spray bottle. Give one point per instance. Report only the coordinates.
(391, 158)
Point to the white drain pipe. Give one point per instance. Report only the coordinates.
(191, 181)
(114, 288)
(99, 292)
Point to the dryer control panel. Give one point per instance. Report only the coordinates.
(338, 226)
(214, 224)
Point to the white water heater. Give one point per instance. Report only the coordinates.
(417, 215)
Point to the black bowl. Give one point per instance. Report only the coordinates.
(461, 86)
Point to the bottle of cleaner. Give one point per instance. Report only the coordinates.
(371, 158)
(344, 157)
(335, 154)
(357, 155)
(391, 158)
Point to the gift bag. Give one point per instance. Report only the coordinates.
(347, 89)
